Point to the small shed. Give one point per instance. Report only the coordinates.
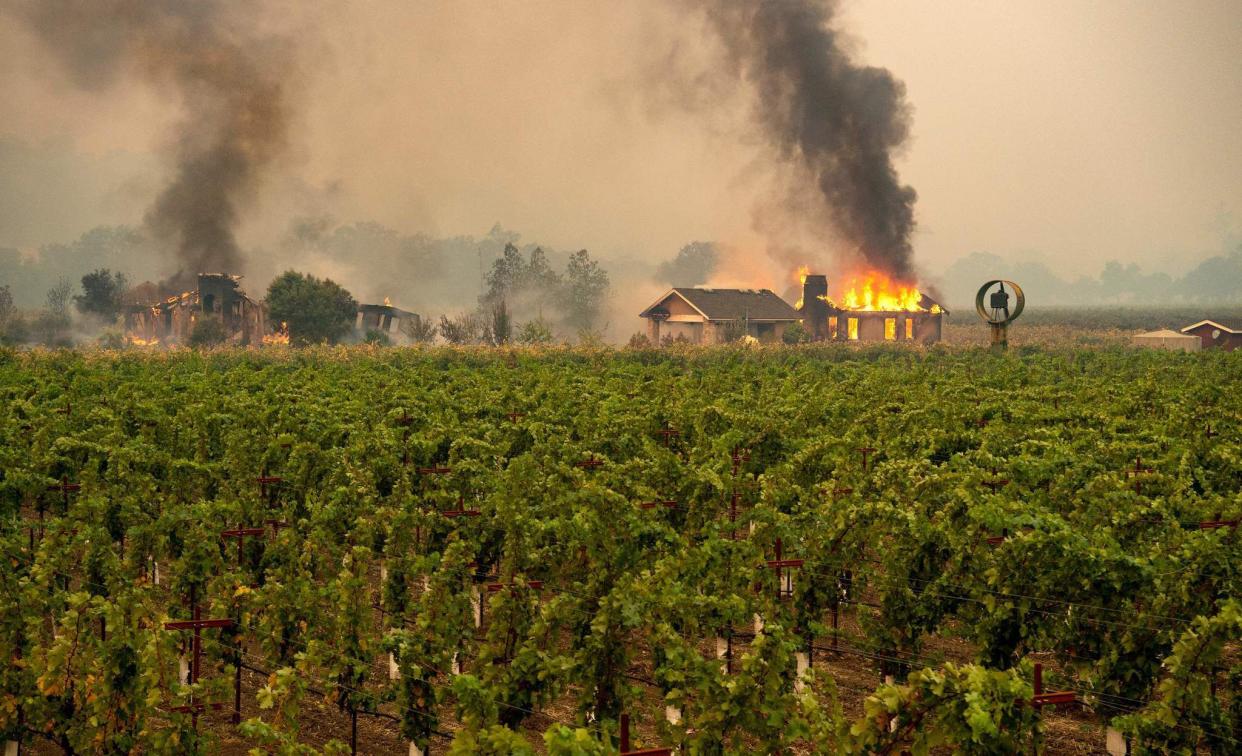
(700, 315)
(1221, 333)
(1168, 340)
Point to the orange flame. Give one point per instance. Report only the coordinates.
(876, 292)
(281, 336)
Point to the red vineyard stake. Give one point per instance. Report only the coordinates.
(267, 480)
(1138, 470)
(654, 504)
(276, 525)
(866, 452)
(197, 624)
(590, 463)
(739, 455)
(995, 483)
(240, 534)
(434, 470)
(65, 488)
(841, 491)
(461, 510)
(995, 540)
(515, 416)
(1210, 433)
(1041, 698)
(779, 564)
(733, 499)
(667, 434)
(1215, 524)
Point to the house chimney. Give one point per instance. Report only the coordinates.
(815, 306)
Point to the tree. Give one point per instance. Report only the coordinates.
(208, 332)
(525, 286)
(501, 325)
(102, 293)
(52, 324)
(535, 332)
(12, 326)
(795, 333)
(418, 330)
(6, 305)
(376, 338)
(692, 266)
(586, 286)
(462, 329)
(316, 310)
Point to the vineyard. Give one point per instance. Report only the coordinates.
(815, 550)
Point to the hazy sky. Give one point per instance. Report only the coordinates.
(1068, 131)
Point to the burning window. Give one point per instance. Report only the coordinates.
(890, 329)
(832, 327)
(909, 328)
(852, 326)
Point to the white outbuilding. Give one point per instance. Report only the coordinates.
(1168, 340)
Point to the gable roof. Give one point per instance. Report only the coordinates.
(1228, 325)
(1164, 333)
(731, 304)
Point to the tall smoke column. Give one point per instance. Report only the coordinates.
(838, 121)
(229, 82)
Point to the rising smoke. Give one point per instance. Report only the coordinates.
(834, 122)
(232, 85)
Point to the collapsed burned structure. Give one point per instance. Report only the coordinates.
(871, 310)
(172, 319)
(384, 318)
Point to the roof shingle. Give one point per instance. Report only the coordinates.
(735, 304)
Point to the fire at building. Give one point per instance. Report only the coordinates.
(171, 320)
(871, 308)
(384, 318)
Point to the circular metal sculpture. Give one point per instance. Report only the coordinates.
(998, 312)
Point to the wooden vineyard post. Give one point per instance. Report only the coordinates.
(1217, 524)
(65, 488)
(784, 589)
(995, 483)
(405, 421)
(1138, 470)
(590, 463)
(866, 452)
(1041, 698)
(265, 483)
(240, 534)
(666, 435)
(515, 416)
(197, 624)
(626, 750)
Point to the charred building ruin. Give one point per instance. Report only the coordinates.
(171, 320)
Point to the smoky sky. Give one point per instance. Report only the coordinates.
(1051, 131)
(231, 83)
(838, 121)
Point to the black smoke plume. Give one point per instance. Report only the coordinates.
(230, 82)
(836, 121)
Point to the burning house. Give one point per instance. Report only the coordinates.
(172, 319)
(871, 309)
